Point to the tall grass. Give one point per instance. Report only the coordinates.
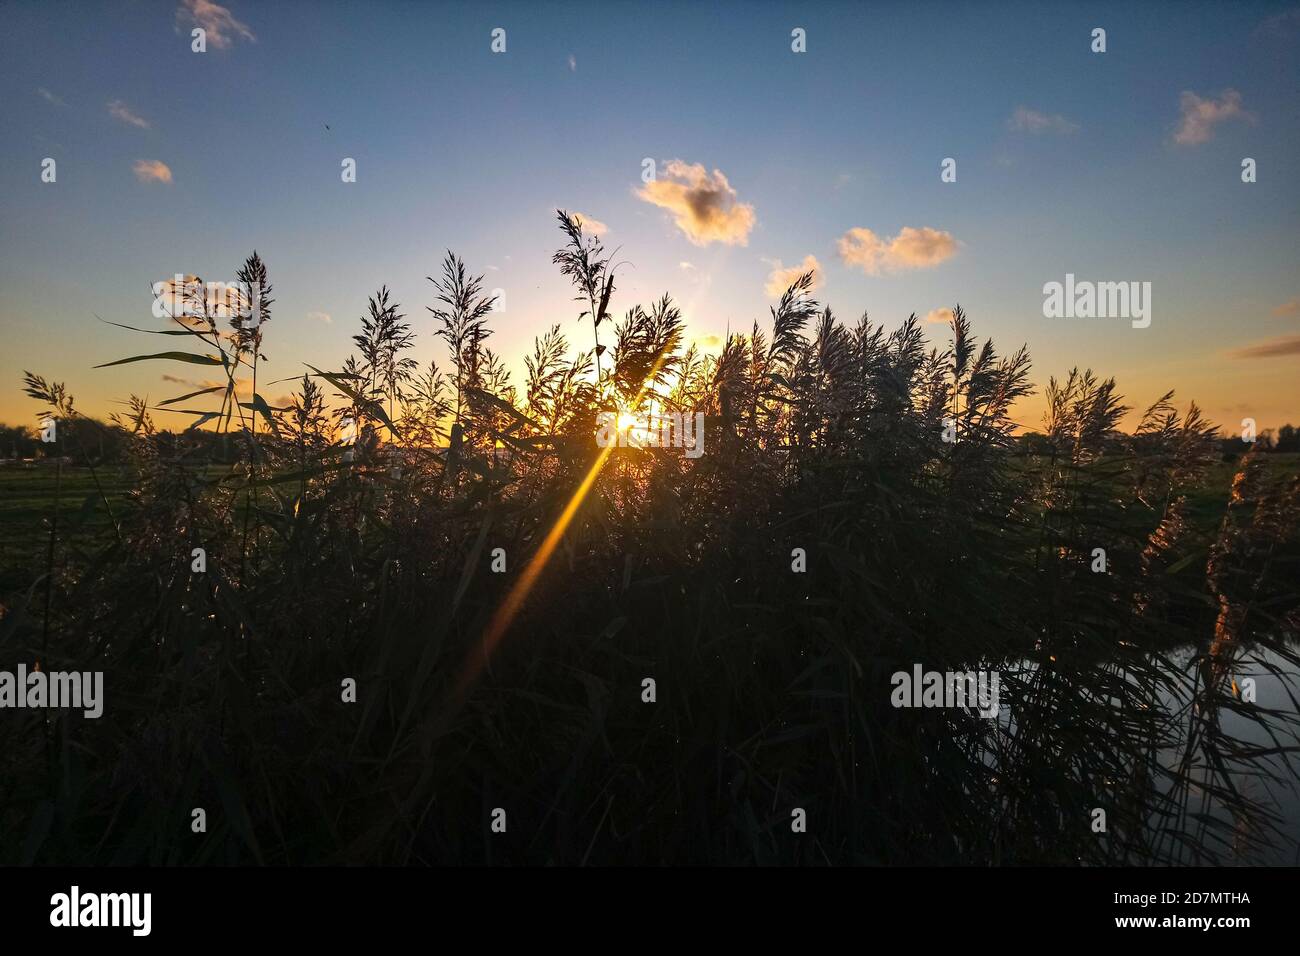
(370, 559)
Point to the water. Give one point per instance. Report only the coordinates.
(1276, 684)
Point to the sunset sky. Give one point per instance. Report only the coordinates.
(1123, 165)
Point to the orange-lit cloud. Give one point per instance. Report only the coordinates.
(152, 171)
(704, 206)
(1269, 348)
(1200, 116)
(1288, 308)
(780, 278)
(939, 315)
(591, 225)
(912, 248)
(217, 22)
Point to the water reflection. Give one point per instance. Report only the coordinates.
(1226, 745)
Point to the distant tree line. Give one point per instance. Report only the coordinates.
(1284, 439)
(90, 441)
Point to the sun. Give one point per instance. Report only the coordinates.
(634, 428)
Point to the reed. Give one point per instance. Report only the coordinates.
(368, 556)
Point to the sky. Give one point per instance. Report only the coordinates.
(1123, 165)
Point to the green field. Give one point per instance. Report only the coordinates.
(27, 497)
(1211, 499)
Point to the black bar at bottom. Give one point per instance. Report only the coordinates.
(332, 906)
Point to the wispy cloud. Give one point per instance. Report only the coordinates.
(1275, 347)
(1031, 121)
(780, 278)
(704, 206)
(592, 225)
(939, 315)
(1282, 26)
(1200, 116)
(321, 317)
(120, 111)
(217, 22)
(49, 97)
(912, 248)
(1287, 308)
(573, 63)
(242, 385)
(152, 171)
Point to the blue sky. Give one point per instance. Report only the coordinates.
(458, 147)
